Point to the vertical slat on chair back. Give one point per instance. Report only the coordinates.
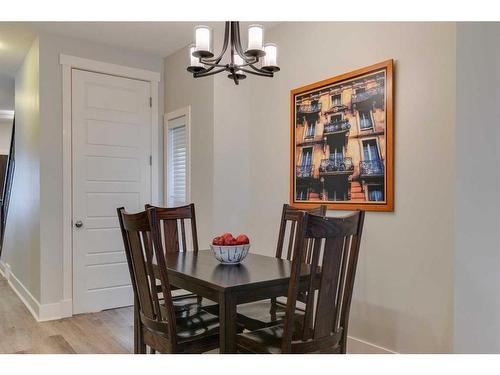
(142, 252)
(329, 285)
(288, 230)
(173, 227)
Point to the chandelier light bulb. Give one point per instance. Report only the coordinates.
(255, 37)
(194, 62)
(270, 61)
(203, 41)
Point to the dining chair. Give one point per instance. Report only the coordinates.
(173, 222)
(160, 326)
(329, 282)
(269, 312)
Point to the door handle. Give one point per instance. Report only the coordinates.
(79, 224)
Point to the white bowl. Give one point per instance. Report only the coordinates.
(230, 254)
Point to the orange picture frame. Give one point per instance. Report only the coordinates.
(342, 141)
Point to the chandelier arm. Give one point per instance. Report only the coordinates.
(257, 72)
(231, 57)
(208, 72)
(249, 63)
(214, 65)
(262, 71)
(224, 47)
(239, 48)
(205, 71)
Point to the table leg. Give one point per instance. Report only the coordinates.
(227, 321)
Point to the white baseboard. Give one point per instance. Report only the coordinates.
(358, 346)
(49, 311)
(41, 312)
(22, 292)
(66, 308)
(4, 270)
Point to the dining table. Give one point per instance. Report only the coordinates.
(257, 277)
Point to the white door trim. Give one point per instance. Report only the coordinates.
(72, 62)
(107, 68)
(185, 111)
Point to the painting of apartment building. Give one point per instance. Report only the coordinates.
(340, 134)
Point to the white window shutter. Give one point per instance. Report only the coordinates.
(177, 164)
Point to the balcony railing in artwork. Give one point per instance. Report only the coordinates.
(304, 171)
(310, 140)
(309, 108)
(335, 108)
(337, 126)
(371, 168)
(367, 95)
(336, 165)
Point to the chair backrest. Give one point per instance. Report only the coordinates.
(288, 229)
(172, 222)
(328, 284)
(147, 266)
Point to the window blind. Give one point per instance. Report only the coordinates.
(177, 163)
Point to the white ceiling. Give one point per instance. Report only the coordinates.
(14, 44)
(155, 38)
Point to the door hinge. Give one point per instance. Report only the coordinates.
(150, 160)
(150, 101)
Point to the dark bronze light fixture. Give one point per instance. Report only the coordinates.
(203, 63)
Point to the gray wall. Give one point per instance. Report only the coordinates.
(6, 92)
(34, 231)
(51, 142)
(22, 236)
(5, 135)
(403, 298)
(477, 250)
(232, 156)
(182, 90)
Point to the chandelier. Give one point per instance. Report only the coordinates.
(204, 63)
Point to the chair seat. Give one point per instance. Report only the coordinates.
(269, 340)
(264, 340)
(196, 326)
(190, 305)
(261, 314)
(196, 333)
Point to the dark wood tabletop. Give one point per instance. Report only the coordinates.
(258, 277)
(255, 270)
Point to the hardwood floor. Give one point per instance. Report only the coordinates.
(108, 331)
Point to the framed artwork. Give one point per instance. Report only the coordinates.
(342, 141)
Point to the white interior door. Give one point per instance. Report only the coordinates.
(111, 133)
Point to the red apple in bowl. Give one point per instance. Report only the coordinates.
(242, 239)
(219, 241)
(228, 238)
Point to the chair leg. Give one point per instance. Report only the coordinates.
(139, 346)
(273, 309)
(343, 344)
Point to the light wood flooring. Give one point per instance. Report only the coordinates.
(108, 331)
